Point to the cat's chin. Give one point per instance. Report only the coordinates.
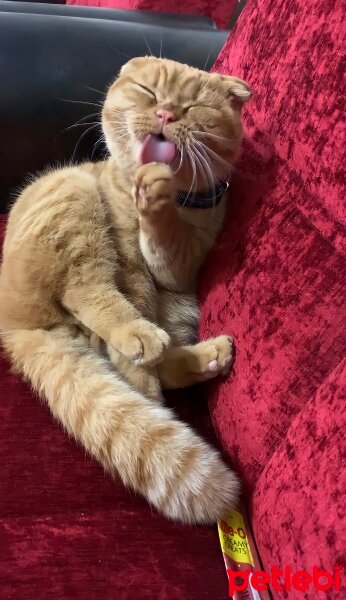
(156, 148)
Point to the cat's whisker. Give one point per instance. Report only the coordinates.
(90, 116)
(77, 124)
(199, 164)
(96, 145)
(98, 104)
(204, 86)
(231, 168)
(216, 167)
(118, 128)
(120, 134)
(204, 162)
(119, 51)
(212, 152)
(146, 41)
(207, 170)
(194, 170)
(102, 92)
(120, 137)
(81, 125)
(81, 137)
(211, 135)
(130, 145)
(225, 167)
(160, 43)
(212, 180)
(180, 162)
(206, 62)
(134, 134)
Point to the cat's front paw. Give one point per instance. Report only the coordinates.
(141, 341)
(154, 189)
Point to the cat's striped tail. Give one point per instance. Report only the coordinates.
(151, 450)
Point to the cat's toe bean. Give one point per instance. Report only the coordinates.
(212, 365)
(213, 357)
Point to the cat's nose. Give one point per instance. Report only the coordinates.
(166, 116)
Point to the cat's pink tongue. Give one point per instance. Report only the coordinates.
(157, 149)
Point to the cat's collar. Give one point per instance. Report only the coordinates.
(208, 199)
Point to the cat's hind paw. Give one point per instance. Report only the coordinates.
(213, 357)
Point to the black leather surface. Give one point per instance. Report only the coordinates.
(141, 16)
(48, 67)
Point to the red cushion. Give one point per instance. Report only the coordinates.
(276, 281)
(219, 11)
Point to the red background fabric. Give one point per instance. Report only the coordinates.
(276, 280)
(219, 11)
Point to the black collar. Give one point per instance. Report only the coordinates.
(202, 199)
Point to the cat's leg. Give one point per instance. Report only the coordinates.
(187, 365)
(89, 289)
(142, 378)
(105, 311)
(173, 249)
(153, 452)
(133, 343)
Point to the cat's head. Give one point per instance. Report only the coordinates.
(160, 110)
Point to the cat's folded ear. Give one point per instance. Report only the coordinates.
(237, 88)
(135, 63)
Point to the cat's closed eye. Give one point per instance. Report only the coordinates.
(146, 89)
(205, 106)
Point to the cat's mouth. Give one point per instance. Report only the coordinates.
(156, 148)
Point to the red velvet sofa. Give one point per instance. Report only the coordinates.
(276, 281)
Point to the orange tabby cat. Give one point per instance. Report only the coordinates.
(97, 285)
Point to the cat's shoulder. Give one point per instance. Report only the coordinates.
(53, 175)
(56, 191)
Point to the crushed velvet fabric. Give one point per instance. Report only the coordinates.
(276, 281)
(219, 11)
